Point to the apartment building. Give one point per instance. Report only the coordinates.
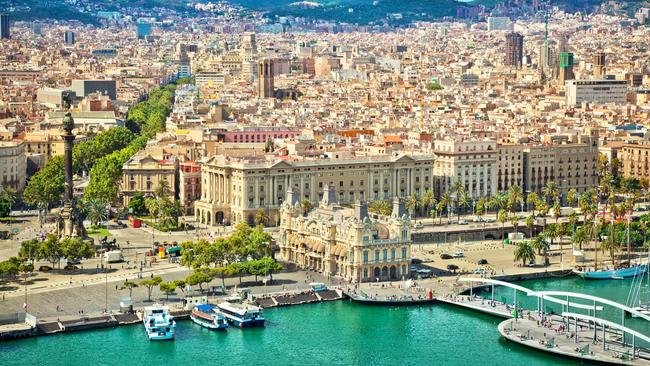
(13, 165)
(473, 163)
(510, 166)
(569, 165)
(233, 190)
(635, 160)
(596, 91)
(143, 173)
(189, 184)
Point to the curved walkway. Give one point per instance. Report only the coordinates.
(530, 292)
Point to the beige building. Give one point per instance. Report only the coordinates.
(13, 165)
(636, 160)
(510, 166)
(346, 242)
(473, 163)
(143, 173)
(233, 190)
(569, 165)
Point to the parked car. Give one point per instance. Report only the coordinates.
(418, 225)
(459, 254)
(479, 271)
(532, 264)
(452, 267)
(445, 256)
(477, 219)
(44, 268)
(462, 222)
(416, 261)
(490, 219)
(482, 261)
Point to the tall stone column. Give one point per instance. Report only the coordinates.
(68, 141)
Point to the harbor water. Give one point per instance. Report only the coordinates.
(335, 333)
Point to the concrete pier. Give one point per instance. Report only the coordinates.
(552, 337)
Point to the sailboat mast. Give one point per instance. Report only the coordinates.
(629, 249)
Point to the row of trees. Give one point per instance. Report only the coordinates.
(53, 249)
(145, 120)
(102, 155)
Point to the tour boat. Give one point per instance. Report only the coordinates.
(613, 273)
(158, 323)
(208, 316)
(242, 315)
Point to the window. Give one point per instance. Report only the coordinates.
(365, 257)
(365, 273)
(376, 255)
(403, 253)
(385, 255)
(392, 254)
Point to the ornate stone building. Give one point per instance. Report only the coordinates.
(234, 189)
(346, 242)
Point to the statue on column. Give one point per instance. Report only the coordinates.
(71, 220)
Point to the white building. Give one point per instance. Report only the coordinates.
(473, 163)
(596, 91)
(13, 165)
(499, 24)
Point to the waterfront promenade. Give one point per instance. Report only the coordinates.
(552, 335)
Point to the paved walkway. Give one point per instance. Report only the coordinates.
(550, 336)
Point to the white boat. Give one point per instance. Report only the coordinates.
(158, 323)
(208, 316)
(242, 315)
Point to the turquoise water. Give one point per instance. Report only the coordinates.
(336, 333)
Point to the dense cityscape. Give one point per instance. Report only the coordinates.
(406, 166)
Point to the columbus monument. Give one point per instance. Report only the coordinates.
(67, 216)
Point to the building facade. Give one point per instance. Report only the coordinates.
(569, 165)
(596, 91)
(636, 162)
(189, 184)
(514, 52)
(143, 174)
(346, 242)
(472, 163)
(265, 86)
(13, 165)
(233, 190)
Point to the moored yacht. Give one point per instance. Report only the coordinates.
(158, 323)
(208, 316)
(608, 274)
(242, 315)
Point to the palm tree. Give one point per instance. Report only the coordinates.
(428, 200)
(261, 217)
(96, 211)
(514, 221)
(551, 192)
(503, 218)
(463, 201)
(557, 211)
(458, 189)
(153, 206)
(572, 197)
(515, 196)
(412, 204)
(530, 225)
(498, 202)
(581, 237)
(525, 253)
(306, 205)
(542, 209)
(442, 205)
(532, 200)
(542, 246)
